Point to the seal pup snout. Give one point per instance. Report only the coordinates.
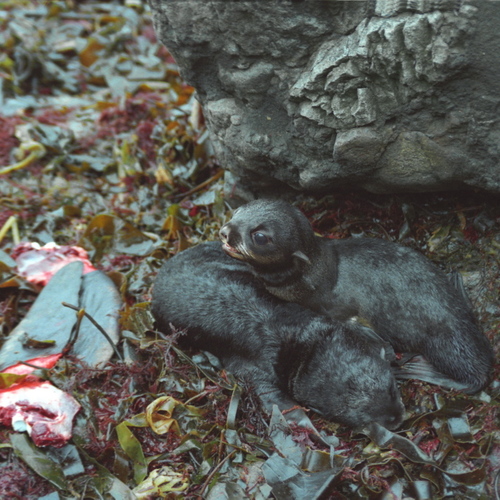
(393, 422)
(231, 241)
(392, 410)
(245, 242)
(224, 233)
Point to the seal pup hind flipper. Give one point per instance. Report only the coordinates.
(417, 367)
(409, 302)
(288, 353)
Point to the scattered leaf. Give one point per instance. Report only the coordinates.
(133, 449)
(38, 461)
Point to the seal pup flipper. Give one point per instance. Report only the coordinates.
(419, 368)
(410, 366)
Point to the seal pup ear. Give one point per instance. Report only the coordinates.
(302, 256)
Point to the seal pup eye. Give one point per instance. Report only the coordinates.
(260, 238)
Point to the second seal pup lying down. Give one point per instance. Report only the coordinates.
(289, 354)
(407, 300)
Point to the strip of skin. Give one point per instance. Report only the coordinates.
(289, 354)
(407, 300)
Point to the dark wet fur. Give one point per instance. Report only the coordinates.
(405, 298)
(288, 353)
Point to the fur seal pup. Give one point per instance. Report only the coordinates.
(404, 297)
(288, 353)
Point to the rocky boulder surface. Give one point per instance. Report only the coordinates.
(384, 95)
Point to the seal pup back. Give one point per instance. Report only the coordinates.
(407, 300)
(288, 353)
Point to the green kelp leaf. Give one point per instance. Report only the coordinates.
(284, 472)
(7, 263)
(204, 363)
(100, 234)
(226, 490)
(289, 482)
(14, 106)
(385, 438)
(81, 163)
(132, 447)
(51, 496)
(140, 73)
(91, 53)
(129, 240)
(188, 445)
(263, 447)
(138, 420)
(141, 277)
(55, 139)
(105, 482)
(208, 363)
(409, 217)
(438, 237)
(159, 415)
(172, 224)
(458, 472)
(208, 197)
(167, 413)
(234, 444)
(138, 318)
(162, 482)
(422, 490)
(69, 459)
(121, 465)
(233, 407)
(396, 490)
(38, 460)
(316, 460)
(460, 429)
(404, 231)
(119, 85)
(105, 233)
(251, 479)
(126, 156)
(280, 435)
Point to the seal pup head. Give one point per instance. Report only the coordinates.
(347, 380)
(344, 373)
(268, 233)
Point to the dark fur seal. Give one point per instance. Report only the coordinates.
(407, 300)
(288, 353)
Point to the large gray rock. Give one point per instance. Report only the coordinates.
(387, 95)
